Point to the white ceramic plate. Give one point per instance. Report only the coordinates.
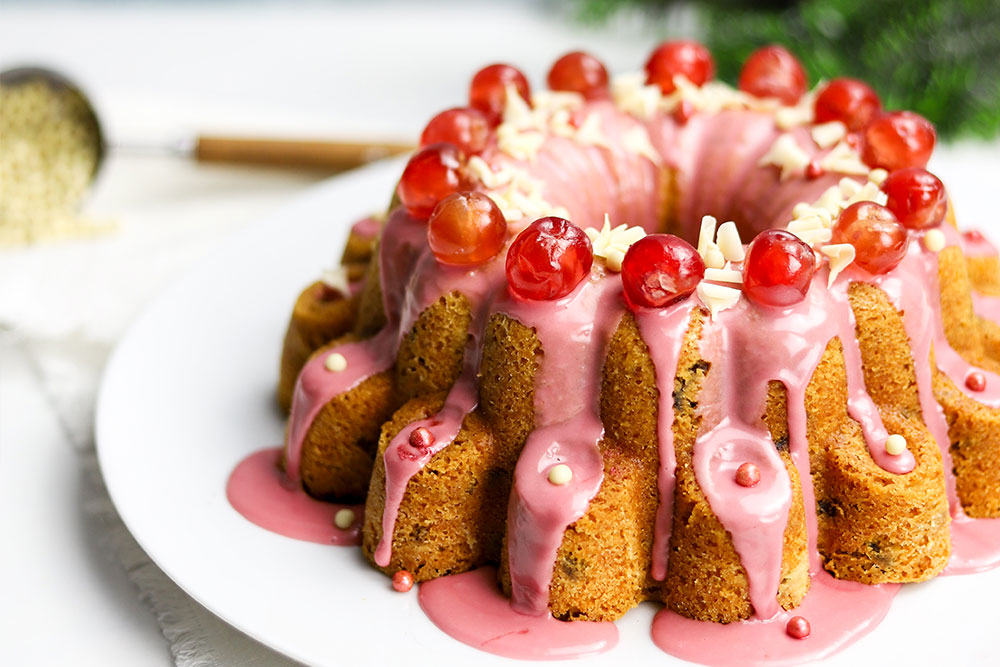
(190, 392)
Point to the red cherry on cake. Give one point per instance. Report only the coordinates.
(465, 127)
(466, 228)
(488, 91)
(879, 241)
(433, 173)
(579, 72)
(897, 140)
(916, 197)
(660, 269)
(548, 259)
(850, 101)
(679, 58)
(773, 71)
(778, 269)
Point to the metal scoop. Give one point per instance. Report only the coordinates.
(317, 154)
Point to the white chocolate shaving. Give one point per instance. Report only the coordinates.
(843, 160)
(336, 278)
(611, 244)
(706, 236)
(517, 144)
(591, 134)
(485, 175)
(840, 255)
(878, 176)
(786, 154)
(718, 297)
(815, 236)
(724, 276)
(730, 243)
(636, 140)
(556, 100)
(828, 134)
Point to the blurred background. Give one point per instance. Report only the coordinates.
(158, 73)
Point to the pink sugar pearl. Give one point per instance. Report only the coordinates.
(748, 475)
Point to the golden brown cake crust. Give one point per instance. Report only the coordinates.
(454, 511)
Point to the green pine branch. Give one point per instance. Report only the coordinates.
(940, 59)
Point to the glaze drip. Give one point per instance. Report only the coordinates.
(573, 333)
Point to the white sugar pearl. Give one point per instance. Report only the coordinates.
(895, 445)
(344, 518)
(336, 362)
(934, 240)
(560, 474)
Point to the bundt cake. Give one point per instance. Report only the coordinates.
(637, 406)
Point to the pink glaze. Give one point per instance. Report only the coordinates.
(976, 247)
(975, 543)
(987, 307)
(573, 332)
(663, 330)
(259, 491)
(840, 613)
(366, 228)
(402, 461)
(471, 608)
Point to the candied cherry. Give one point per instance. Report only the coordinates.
(433, 173)
(897, 140)
(659, 269)
(879, 241)
(488, 91)
(916, 197)
(850, 101)
(465, 127)
(548, 259)
(466, 228)
(681, 57)
(772, 71)
(579, 72)
(778, 269)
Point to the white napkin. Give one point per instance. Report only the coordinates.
(66, 304)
